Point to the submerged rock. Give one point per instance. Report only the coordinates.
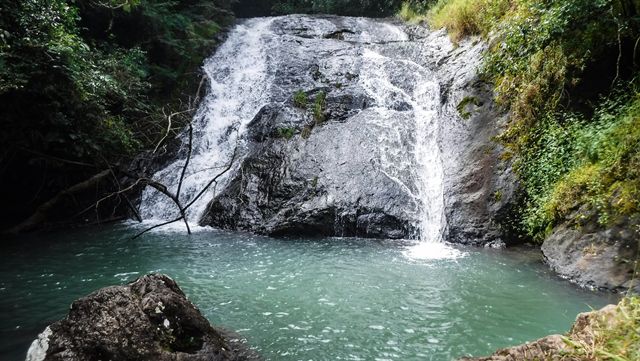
(148, 319)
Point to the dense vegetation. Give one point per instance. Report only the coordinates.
(566, 71)
(84, 84)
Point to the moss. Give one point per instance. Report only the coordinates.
(286, 133)
(300, 99)
(318, 107)
(306, 132)
(463, 106)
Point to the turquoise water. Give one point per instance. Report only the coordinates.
(300, 299)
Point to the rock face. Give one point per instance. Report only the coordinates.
(554, 348)
(149, 319)
(350, 162)
(605, 259)
(479, 187)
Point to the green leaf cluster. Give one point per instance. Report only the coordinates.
(86, 82)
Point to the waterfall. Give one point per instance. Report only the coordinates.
(238, 88)
(411, 160)
(250, 70)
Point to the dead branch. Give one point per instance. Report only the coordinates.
(202, 191)
(169, 122)
(41, 213)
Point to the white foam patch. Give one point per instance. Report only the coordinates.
(432, 251)
(38, 349)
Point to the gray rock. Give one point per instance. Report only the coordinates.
(349, 172)
(149, 319)
(593, 257)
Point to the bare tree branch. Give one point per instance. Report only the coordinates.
(202, 191)
(186, 162)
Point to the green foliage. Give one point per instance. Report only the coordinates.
(410, 13)
(84, 82)
(286, 133)
(300, 99)
(592, 163)
(467, 17)
(318, 107)
(464, 104)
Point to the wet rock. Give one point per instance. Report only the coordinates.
(496, 244)
(149, 319)
(317, 169)
(597, 258)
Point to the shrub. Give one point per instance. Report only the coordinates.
(300, 99)
(318, 106)
(467, 17)
(575, 161)
(614, 336)
(286, 133)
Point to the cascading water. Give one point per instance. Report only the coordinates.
(238, 88)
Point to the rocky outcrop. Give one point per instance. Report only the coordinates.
(149, 319)
(479, 187)
(594, 257)
(343, 163)
(557, 347)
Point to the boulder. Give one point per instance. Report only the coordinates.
(604, 258)
(148, 319)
